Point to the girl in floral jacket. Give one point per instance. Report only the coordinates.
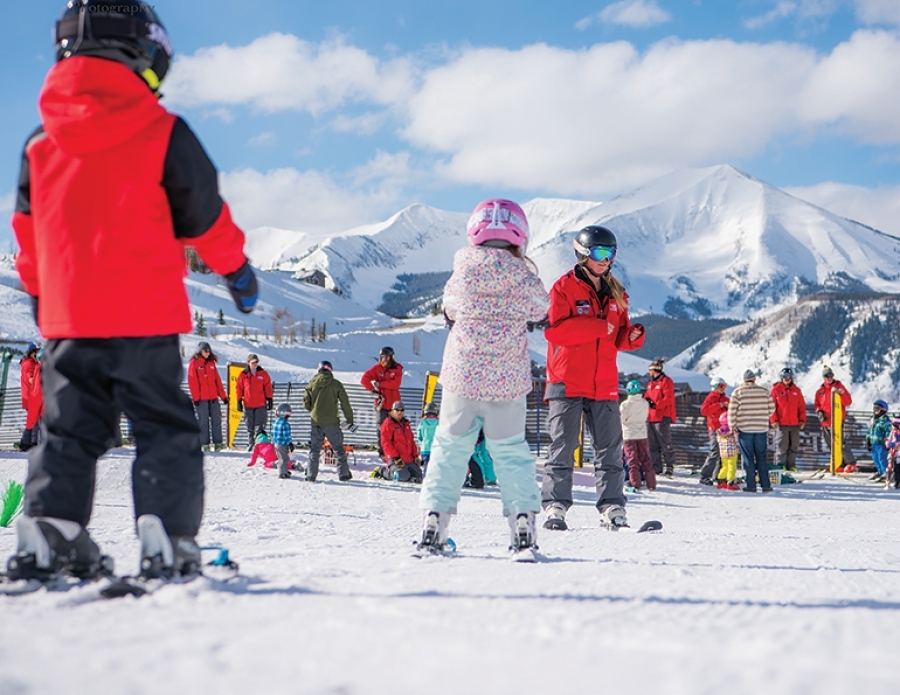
(486, 375)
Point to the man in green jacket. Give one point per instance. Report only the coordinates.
(321, 398)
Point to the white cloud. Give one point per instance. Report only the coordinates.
(279, 72)
(878, 11)
(631, 13)
(876, 207)
(607, 118)
(263, 139)
(7, 202)
(315, 202)
(856, 89)
(781, 10)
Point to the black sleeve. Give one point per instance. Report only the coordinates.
(191, 183)
(23, 190)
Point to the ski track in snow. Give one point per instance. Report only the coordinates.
(739, 594)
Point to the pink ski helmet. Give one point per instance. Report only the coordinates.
(723, 422)
(498, 220)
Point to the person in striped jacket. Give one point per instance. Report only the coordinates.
(748, 414)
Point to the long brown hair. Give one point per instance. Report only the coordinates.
(213, 357)
(617, 289)
(517, 252)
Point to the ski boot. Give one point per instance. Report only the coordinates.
(434, 534)
(50, 547)
(523, 538)
(613, 518)
(556, 518)
(165, 557)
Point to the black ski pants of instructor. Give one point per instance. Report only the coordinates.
(87, 384)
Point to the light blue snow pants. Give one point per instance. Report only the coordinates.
(454, 442)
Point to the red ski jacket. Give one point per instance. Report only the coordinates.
(27, 368)
(254, 389)
(35, 400)
(661, 392)
(112, 188)
(587, 330)
(204, 380)
(714, 405)
(823, 399)
(388, 382)
(397, 440)
(790, 407)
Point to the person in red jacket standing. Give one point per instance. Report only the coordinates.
(254, 397)
(28, 367)
(588, 325)
(822, 404)
(383, 379)
(660, 394)
(400, 450)
(111, 191)
(35, 405)
(714, 406)
(207, 389)
(788, 419)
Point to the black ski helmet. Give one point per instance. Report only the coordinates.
(592, 236)
(386, 352)
(127, 31)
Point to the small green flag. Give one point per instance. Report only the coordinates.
(13, 501)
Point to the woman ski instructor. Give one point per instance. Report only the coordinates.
(589, 324)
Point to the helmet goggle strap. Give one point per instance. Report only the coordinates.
(497, 216)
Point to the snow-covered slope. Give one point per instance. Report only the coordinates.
(857, 335)
(739, 594)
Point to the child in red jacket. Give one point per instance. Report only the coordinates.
(112, 190)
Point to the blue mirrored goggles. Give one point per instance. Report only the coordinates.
(602, 253)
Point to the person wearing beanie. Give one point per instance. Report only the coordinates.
(205, 385)
(660, 396)
(788, 419)
(823, 403)
(714, 406)
(748, 415)
(322, 397)
(254, 396)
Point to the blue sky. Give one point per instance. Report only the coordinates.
(324, 116)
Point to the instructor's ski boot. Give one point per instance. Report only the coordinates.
(434, 534)
(556, 517)
(50, 547)
(613, 518)
(165, 557)
(523, 537)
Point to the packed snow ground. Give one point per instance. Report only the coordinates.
(794, 592)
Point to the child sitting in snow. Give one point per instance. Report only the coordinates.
(481, 466)
(264, 450)
(728, 449)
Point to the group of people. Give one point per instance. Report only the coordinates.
(110, 168)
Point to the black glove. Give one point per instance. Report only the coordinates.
(34, 308)
(196, 403)
(448, 321)
(244, 290)
(540, 325)
(650, 403)
(270, 404)
(291, 447)
(868, 445)
(224, 401)
(240, 406)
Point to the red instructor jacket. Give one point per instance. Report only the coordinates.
(586, 332)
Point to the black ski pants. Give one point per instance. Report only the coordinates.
(87, 384)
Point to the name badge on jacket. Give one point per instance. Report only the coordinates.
(582, 306)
